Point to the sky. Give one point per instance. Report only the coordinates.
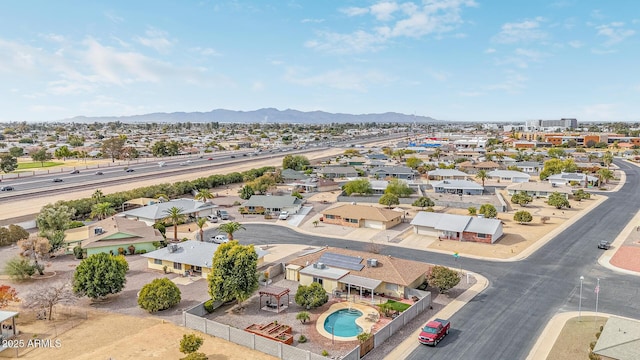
(455, 60)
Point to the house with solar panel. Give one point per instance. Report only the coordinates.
(354, 273)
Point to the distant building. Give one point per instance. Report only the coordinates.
(564, 124)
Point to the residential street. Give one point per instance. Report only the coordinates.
(505, 320)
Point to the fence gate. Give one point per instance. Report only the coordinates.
(366, 346)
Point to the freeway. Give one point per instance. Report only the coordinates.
(505, 320)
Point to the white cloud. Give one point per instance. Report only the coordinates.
(316, 21)
(471, 93)
(438, 75)
(406, 19)
(205, 51)
(257, 86)
(614, 33)
(576, 44)
(341, 79)
(513, 83)
(155, 39)
(490, 51)
(524, 31)
(113, 17)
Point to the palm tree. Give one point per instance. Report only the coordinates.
(482, 175)
(175, 215)
(201, 222)
(97, 195)
(102, 210)
(204, 195)
(607, 158)
(230, 227)
(605, 175)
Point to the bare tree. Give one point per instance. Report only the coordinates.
(47, 296)
(374, 247)
(35, 248)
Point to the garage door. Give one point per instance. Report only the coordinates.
(422, 230)
(373, 224)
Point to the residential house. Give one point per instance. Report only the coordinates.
(447, 174)
(457, 227)
(619, 340)
(259, 204)
(359, 216)
(188, 257)
(529, 167)
(153, 213)
(509, 176)
(539, 189)
(400, 172)
(289, 175)
(377, 156)
(473, 167)
(573, 178)
(357, 272)
(338, 171)
(459, 187)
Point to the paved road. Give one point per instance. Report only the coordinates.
(505, 320)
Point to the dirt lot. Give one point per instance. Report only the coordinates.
(573, 341)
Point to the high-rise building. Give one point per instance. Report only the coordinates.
(563, 124)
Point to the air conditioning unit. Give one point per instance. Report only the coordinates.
(98, 231)
(372, 262)
(173, 247)
(319, 265)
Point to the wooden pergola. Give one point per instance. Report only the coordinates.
(276, 292)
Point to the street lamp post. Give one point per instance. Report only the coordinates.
(597, 291)
(580, 300)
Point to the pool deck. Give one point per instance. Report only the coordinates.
(361, 321)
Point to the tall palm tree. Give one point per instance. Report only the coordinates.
(175, 215)
(102, 210)
(605, 175)
(607, 158)
(204, 195)
(201, 222)
(230, 228)
(97, 195)
(482, 175)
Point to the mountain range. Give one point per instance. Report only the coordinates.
(266, 115)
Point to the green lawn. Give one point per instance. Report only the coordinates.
(398, 306)
(37, 165)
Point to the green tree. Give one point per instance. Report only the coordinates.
(16, 151)
(100, 275)
(399, 188)
(311, 296)
(158, 295)
(423, 202)
(605, 175)
(246, 192)
(63, 153)
(97, 195)
(8, 163)
(102, 210)
(472, 210)
(56, 240)
(522, 217)
(358, 186)
(489, 211)
(230, 228)
(295, 162)
(234, 272)
(558, 200)
(482, 175)
(19, 268)
(53, 217)
(556, 166)
(414, 162)
(190, 343)
(12, 234)
(196, 356)
(303, 316)
(113, 147)
(262, 184)
(580, 195)
(389, 200)
(159, 148)
(201, 222)
(443, 278)
(556, 153)
(521, 198)
(175, 215)
(204, 195)
(41, 156)
(607, 158)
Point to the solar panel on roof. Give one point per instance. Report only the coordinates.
(342, 261)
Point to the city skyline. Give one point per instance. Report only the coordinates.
(455, 60)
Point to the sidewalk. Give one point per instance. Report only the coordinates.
(403, 350)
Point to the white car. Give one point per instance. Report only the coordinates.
(220, 239)
(212, 218)
(284, 215)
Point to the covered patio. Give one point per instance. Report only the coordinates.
(365, 286)
(8, 323)
(277, 293)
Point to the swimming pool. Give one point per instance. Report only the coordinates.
(343, 323)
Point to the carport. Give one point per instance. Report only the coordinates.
(362, 283)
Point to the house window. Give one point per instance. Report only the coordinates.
(353, 221)
(318, 280)
(482, 236)
(177, 266)
(391, 287)
(157, 261)
(329, 216)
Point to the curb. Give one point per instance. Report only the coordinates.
(605, 259)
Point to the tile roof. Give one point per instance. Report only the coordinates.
(363, 212)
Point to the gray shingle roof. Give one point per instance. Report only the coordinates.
(272, 202)
(158, 211)
(458, 223)
(196, 253)
(457, 184)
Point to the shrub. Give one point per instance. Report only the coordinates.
(311, 296)
(19, 268)
(303, 316)
(195, 356)
(302, 339)
(522, 217)
(120, 251)
(75, 224)
(544, 219)
(160, 294)
(325, 353)
(364, 336)
(143, 251)
(208, 306)
(190, 343)
(443, 278)
(77, 252)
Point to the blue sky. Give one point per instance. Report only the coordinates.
(458, 60)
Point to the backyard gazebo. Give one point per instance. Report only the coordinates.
(276, 292)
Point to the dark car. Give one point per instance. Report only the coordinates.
(75, 172)
(604, 245)
(233, 156)
(6, 188)
(129, 170)
(99, 173)
(56, 180)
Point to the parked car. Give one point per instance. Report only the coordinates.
(233, 156)
(223, 214)
(284, 215)
(99, 173)
(210, 159)
(75, 172)
(56, 180)
(434, 331)
(220, 239)
(213, 218)
(6, 188)
(129, 170)
(604, 245)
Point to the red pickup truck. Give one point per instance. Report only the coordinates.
(434, 331)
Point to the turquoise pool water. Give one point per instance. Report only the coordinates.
(343, 323)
